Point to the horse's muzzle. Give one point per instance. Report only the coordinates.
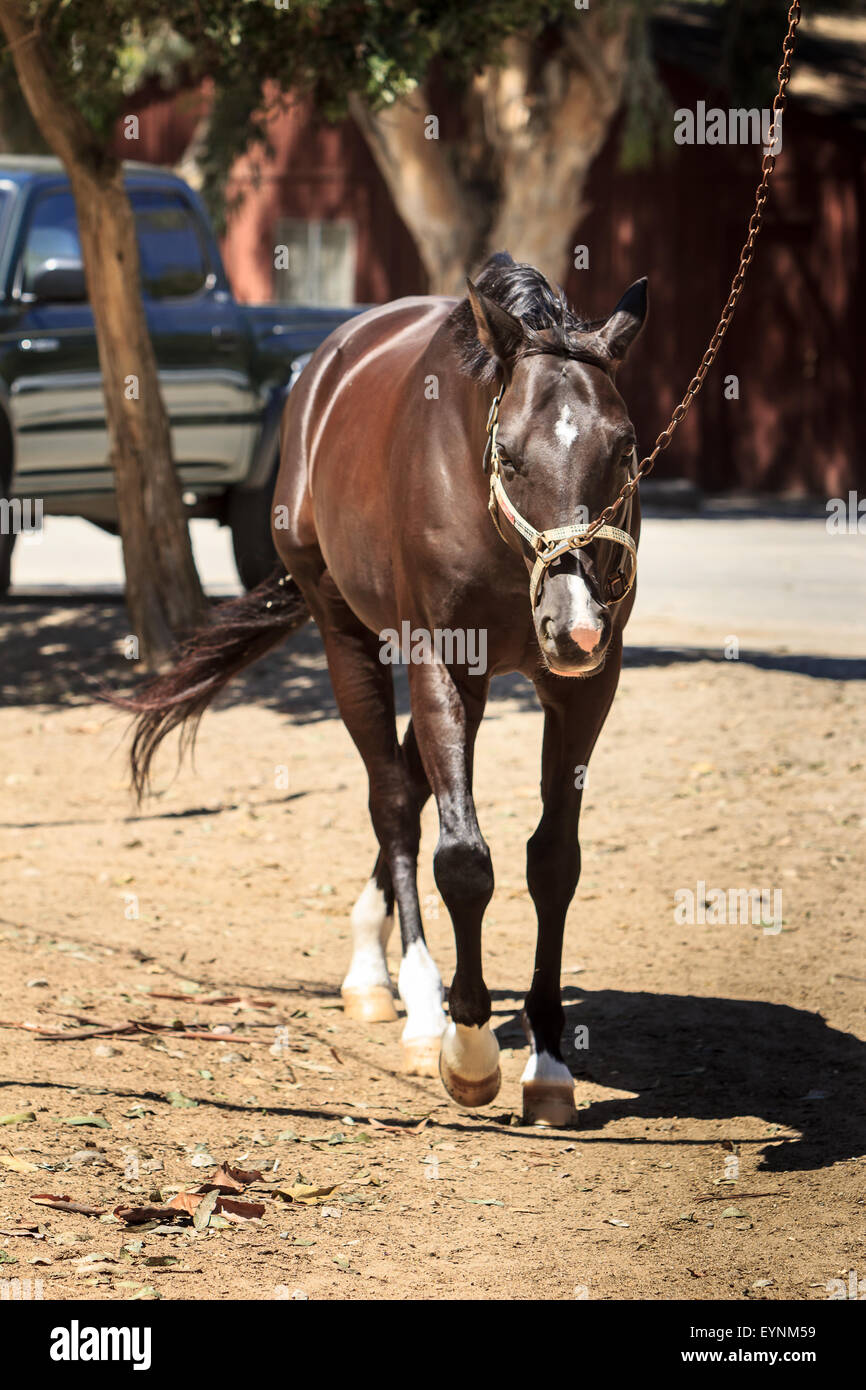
(572, 624)
(574, 651)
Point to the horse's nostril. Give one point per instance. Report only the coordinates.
(547, 628)
(587, 638)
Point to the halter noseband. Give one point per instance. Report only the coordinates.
(549, 545)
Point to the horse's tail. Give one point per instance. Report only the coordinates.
(240, 631)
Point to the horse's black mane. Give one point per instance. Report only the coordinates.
(530, 297)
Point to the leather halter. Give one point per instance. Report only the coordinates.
(551, 544)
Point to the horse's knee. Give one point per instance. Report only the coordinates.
(463, 872)
(552, 865)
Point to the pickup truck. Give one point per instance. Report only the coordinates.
(225, 368)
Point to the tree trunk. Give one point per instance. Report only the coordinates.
(549, 132)
(440, 215)
(532, 130)
(163, 594)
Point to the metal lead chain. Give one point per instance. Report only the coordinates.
(697, 381)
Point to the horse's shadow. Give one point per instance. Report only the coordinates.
(713, 1059)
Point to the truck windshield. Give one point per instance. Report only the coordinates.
(172, 256)
(173, 260)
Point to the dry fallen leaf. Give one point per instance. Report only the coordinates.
(235, 1210)
(230, 1207)
(400, 1129)
(228, 1179)
(137, 1216)
(202, 1214)
(32, 1232)
(305, 1193)
(48, 1199)
(18, 1165)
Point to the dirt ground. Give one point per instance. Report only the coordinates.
(720, 1096)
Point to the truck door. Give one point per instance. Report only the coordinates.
(55, 385)
(202, 342)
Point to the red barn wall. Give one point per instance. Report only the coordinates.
(797, 343)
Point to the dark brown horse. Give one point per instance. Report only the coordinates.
(384, 512)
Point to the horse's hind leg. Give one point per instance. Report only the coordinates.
(367, 988)
(363, 688)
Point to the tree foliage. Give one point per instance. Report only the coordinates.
(333, 49)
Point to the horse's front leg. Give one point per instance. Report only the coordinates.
(574, 712)
(446, 712)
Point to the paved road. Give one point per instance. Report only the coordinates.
(777, 585)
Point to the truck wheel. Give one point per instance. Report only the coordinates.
(250, 523)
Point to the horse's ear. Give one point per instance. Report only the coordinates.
(626, 321)
(498, 331)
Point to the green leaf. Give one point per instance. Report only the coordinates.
(180, 1101)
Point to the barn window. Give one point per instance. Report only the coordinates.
(314, 261)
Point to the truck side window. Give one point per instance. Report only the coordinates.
(173, 262)
(51, 236)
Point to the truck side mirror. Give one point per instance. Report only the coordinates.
(59, 281)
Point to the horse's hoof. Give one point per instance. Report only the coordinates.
(469, 1093)
(375, 1004)
(549, 1104)
(420, 1056)
(469, 1065)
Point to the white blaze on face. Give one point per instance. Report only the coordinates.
(565, 431)
(582, 613)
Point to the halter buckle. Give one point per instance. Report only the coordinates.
(493, 413)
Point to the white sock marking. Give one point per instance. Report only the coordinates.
(420, 986)
(542, 1067)
(371, 927)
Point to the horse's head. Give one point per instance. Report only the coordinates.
(565, 445)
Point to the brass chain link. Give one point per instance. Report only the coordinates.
(697, 381)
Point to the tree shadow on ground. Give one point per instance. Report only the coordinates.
(64, 650)
(715, 1059)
